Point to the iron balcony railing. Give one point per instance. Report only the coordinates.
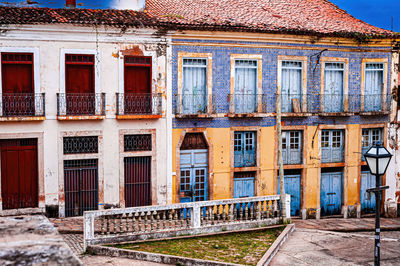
(244, 103)
(139, 103)
(194, 104)
(22, 104)
(81, 104)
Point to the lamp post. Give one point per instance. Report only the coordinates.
(378, 158)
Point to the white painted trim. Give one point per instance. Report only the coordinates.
(36, 63)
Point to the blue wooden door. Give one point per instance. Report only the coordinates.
(334, 86)
(331, 193)
(292, 187)
(367, 181)
(193, 175)
(243, 187)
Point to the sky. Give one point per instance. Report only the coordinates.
(379, 13)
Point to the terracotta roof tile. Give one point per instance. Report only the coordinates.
(292, 16)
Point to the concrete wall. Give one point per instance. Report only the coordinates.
(109, 45)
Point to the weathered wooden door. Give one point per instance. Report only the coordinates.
(17, 84)
(292, 81)
(193, 175)
(334, 87)
(138, 99)
(331, 193)
(367, 181)
(81, 186)
(292, 187)
(137, 181)
(194, 89)
(79, 84)
(19, 173)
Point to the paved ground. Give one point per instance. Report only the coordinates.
(318, 247)
(315, 242)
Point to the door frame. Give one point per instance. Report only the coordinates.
(62, 157)
(210, 162)
(40, 156)
(153, 154)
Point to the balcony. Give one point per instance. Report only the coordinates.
(194, 105)
(244, 105)
(139, 105)
(22, 106)
(81, 106)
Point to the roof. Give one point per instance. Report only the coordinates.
(289, 16)
(317, 17)
(110, 17)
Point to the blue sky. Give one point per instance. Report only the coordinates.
(375, 12)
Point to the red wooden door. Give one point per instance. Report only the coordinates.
(17, 84)
(19, 174)
(138, 98)
(79, 84)
(137, 181)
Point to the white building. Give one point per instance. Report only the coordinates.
(84, 119)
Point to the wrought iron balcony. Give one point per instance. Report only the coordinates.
(22, 104)
(193, 104)
(354, 103)
(81, 104)
(244, 103)
(139, 104)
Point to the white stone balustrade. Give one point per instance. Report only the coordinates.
(130, 224)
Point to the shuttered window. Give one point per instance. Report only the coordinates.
(245, 149)
(245, 86)
(291, 147)
(370, 136)
(292, 76)
(332, 146)
(17, 73)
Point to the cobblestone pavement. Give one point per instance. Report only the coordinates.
(75, 242)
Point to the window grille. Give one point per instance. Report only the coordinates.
(244, 174)
(137, 60)
(73, 145)
(193, 141)
(16, 57)
(137, 142)
(79, 58)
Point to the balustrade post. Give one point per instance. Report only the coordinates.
(88, 229)
(195, 217)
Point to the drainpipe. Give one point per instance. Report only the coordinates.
(70, 3)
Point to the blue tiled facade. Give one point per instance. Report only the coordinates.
(221, 79)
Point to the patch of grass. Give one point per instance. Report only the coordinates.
(242, 248)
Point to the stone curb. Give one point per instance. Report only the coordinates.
(273, 250)
(153, 257)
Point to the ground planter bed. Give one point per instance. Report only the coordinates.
(244, 247)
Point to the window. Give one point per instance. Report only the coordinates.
(244, 149)
(137, 85)
(332, 146)
(291, 88)
(137, 143)
(246, 86)
(194, 91)
(369, 137)
(334, 87)
(291, 147)
(74, 145)
(17, 84)
(373, 86)
(79, 84)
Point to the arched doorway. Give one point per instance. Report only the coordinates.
(193, 183)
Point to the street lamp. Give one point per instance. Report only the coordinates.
(378, 158)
